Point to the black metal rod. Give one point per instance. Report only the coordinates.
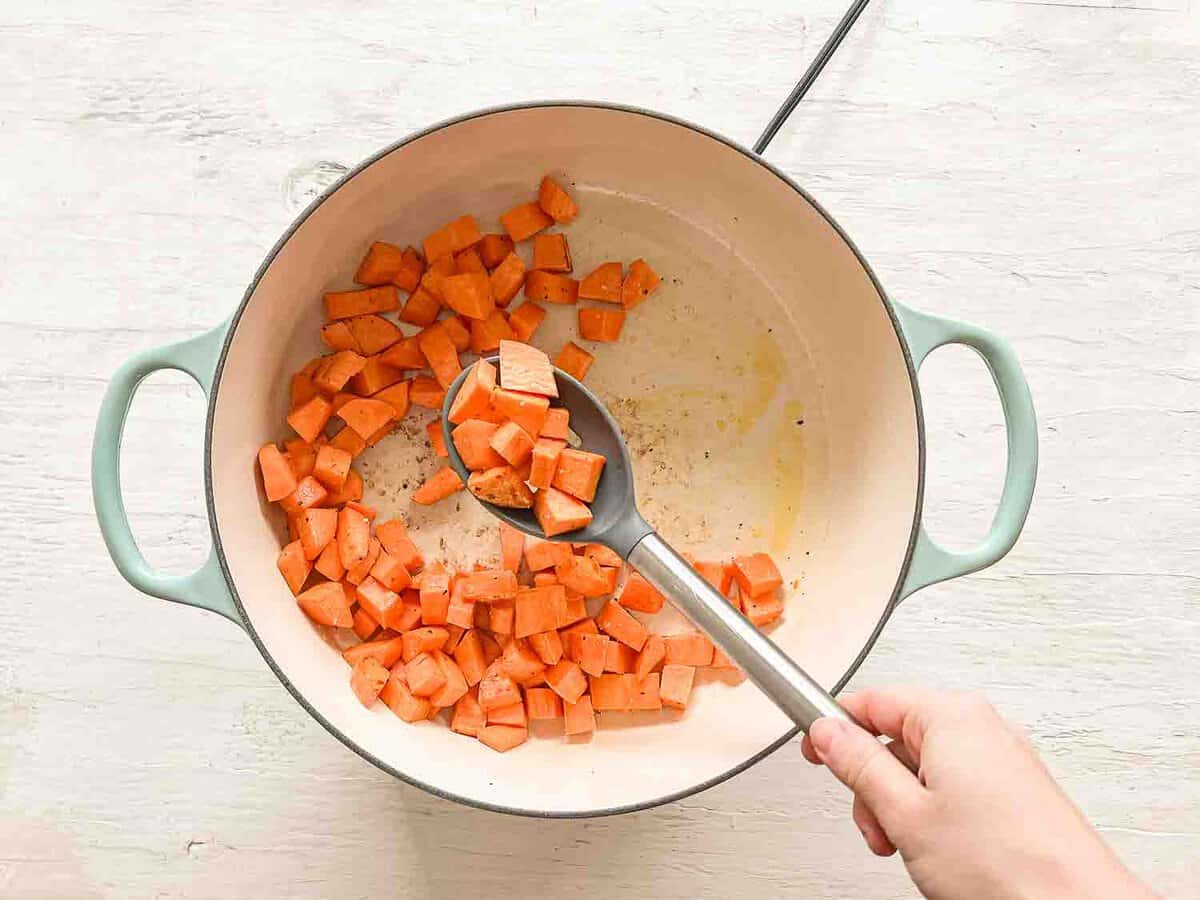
(810, 74)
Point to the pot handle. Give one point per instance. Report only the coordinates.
(932, 563)
(206, 587)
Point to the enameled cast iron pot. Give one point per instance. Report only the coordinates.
(768, 393)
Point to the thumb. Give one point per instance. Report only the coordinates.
(865, 766)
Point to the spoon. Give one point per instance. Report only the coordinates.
(617, 524)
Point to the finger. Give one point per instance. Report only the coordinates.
(865, 766)
(810, 754)
(905, 756)
(901, 713)
(872, 832)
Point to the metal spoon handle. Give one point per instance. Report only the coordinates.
(788, 685)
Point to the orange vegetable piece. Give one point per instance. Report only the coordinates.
(386, 652)
(497, 689)
(520, 663)
(459, 332)
(583, 575)
(347, 304)
(502, 616)
(587, 649)
(676, 685)
(470, 657)
(614, 692)
(354, 537)
(654, 651)
(539, 609)
(327, 604)
(454, 685)
(367, 416)
(506, 279)
(364, 626)
(614, 620)
(544, 461)
(278, 478)
(557, 424)
(512, 546)
(468, 717)
(434, 431)
(435, 276)
(602, 283)
(579, 718)
(337, 370)
(551, 253)
(303, 389)
(541, 554)
(556, 202)
(547, 645)
(494, 248)
(513, 714)
(381, 265)
(490, 584)
(602, 555)
(551, 288)
(393, 535)
(721, 660)
(329, 563)
(567, 680)
(762, 610)
(316, 528)
(441, 353)
(470, 295)
(293, 566)
(469, 261)
(411, 269)
(542, 703)
(526, 369)
(527, 410)
(396, 397)
(351, 490)
(440, 485)
(502, 486)
(309, 492)
(512, 442)
(574, 360)
(640, 282)
(389, 571)
(472, 440)
(603, 325)
(640, 595)
(332, 466)
(337, 336)
(460, 613)
(690, 649)
(619, 658)
(301, 457)
(403, 355)
(644, 694)
(475, 395)
(525, 320)
(578, 473)
(422, 640)
(452, 238)
(347, 440)
(558, 513)
(524, 221)
(402, 701)
(373, 334)
(487, 334)
(309, 420)
(435, 599)
(756, 574)
(376, 375)
(502, 737)
(421, 308)
(367, 679)
(425, 391)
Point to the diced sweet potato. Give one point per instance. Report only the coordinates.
(411, 270)
(337, 336)
(441, 353)
(494, 248)
(453, 237)
(293, 566)
(402, 701)
(502, 738)
(309, 493)
(373, 334)
(520, 663)
(619, 658)
(524, 221)
(487, 334)
(539, 609)
(381, 265)
(763, 609)
(436, 274)
(469, 261)
(654, 651)
(502, 486)
(579, 718)
(497, 689)
(640, 282)
(640, 595)
(376, 375)
(583, 575)
(440, 485)
(526, 369)
(469, 294)
(422, 640)
(527, 410)
(512, 547)
(329, 563)
(472, 440)
(602, 325)
(551, 253)
(756, 574)
(347, 304)
(301, 457)
(405, 354)
(645, 693)
(454, 683)
(544, 461)
(525, 320)
(332, 466)
(475, 395)
(468, 717)
(676, 685)
(578, 473)
(426, 392)
(502, 617)
(367, 415)
(547, 645)
(512, 442)
(316, 528)
(364, 626)
(558, 513)
(278, 478)
(602, 283)
(556, 202)
(612, 692)
(421, 308)
(490, 584)
(389, 571)
(367, 679)
(543, 703)
(551, 288)
(567, 680)
(309, 420)
(506, 279)
(587, 649)
(689, 649)
(354, 537)
(327, 604)
(387, 652)
(574, 360)
(618, 623)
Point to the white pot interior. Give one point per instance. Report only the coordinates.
(766, 318)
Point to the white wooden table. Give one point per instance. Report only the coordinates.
(1031, 166)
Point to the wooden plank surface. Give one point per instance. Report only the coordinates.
(1031, 166)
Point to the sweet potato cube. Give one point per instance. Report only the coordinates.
(525, 320)
(689, 649)
(337, 336)
(475, 395)
(490, 584)
(676, 685)
(386, 652)
(645, 694)
(502, 738)
(547, 645)
(574, 360)
(423, 640)
(602, 283)
(367, 415)
(454, 683)
(764, 609)
(653, 653)
(397, 696)
(527, 410)
(539, 609)
(640, 282)
(551, 253)
(526, 369)
(567, 680)
(331, 467)
(373, 334)
(589, 650)
(579, 718)
(453, 237)
(308, 420)
(469, 294)
(512, 442)
(293, 566)
(468, 717)
(497, 689)
(327, 604)
(506, 279)
(578, 473)
(524, 221)
(619, 658)
(512, 547)
(494, 248)
(316, 528)
(611, 692)
(438, 486)
(405, 354)
(472, 440)
(550, 287)
(381, 265)
(579, 573)
(347, 304)
(278, 478)
(501, 486)
(558, 513)
(486, 334)
(640, 595)
(617, 622)
(367, 679)
(541, 554)
(602, 325)
(469, 261)
(756, 574)
(421, 308)
(542, 703)
(513, 714)
(556, 202)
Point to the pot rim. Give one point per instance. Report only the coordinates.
(218, 548)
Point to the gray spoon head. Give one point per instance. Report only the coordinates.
(616, 522)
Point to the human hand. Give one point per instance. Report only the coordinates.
(981, 818)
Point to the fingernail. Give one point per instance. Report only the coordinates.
(822, 733)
